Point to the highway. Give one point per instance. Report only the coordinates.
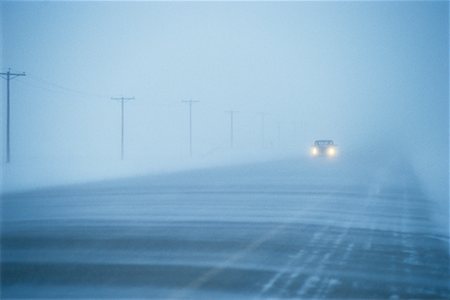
(294, 228)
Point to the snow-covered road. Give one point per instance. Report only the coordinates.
(284, 229)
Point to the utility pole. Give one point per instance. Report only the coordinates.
(231, 112)
(122, 140)
(9, 76)
(190, 123)
(278, 134)
(263, 129)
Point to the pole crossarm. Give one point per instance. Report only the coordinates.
(190, 101)
(11, 75)
(122, 98)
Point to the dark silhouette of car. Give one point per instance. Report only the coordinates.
(323, 148)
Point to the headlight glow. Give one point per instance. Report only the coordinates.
(331, 152)
(314, 151)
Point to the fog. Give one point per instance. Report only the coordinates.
(373, 76)
(248, 209)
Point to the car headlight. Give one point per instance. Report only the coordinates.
(331, 151)
(314, 151)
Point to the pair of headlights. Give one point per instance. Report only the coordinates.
(331, 151)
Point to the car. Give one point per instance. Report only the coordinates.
(323, 148)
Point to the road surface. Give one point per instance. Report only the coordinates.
(285, 229)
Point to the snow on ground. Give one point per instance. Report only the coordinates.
(339, 228)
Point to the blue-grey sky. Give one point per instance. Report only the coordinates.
(356, 72)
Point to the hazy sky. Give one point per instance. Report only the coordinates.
(354, 72)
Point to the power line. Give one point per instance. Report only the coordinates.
(122, 102)
(190, 123)
(231, 113)
(67, 89)
(9, 76)
(55, 87)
